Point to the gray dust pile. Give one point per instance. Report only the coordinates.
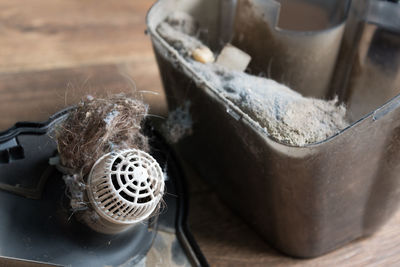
(286, 115)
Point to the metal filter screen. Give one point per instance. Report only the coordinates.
(126, 186)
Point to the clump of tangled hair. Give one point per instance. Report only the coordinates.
(97, 126)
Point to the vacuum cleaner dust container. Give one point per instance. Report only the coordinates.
(312, 198)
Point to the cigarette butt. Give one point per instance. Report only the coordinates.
(203, 54)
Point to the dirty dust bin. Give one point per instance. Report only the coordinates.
(306, 200)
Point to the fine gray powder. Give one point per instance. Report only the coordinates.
(287, 116)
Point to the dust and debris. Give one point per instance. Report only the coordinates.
(287, 116)
(182, 42)
(53, 161)
(178, 124)
(183, 22)
(75, 185)
(98, 126)
(76, 191)
(111, 116)
(165, 174)
(180, 30)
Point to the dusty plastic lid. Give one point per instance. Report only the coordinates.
(125, 187)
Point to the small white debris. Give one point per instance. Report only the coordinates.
(111, 116)
(178, 124)
(233, 58)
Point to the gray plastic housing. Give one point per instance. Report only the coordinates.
(305, 201)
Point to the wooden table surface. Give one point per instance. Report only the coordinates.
(52, 52)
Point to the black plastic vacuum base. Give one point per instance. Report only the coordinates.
(37, 227)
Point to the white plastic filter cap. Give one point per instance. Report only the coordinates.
(125, 187)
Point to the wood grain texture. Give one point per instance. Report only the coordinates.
(44, 34)
(35, 95)
(52, 52)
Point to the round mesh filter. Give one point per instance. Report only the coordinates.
(125, 187)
